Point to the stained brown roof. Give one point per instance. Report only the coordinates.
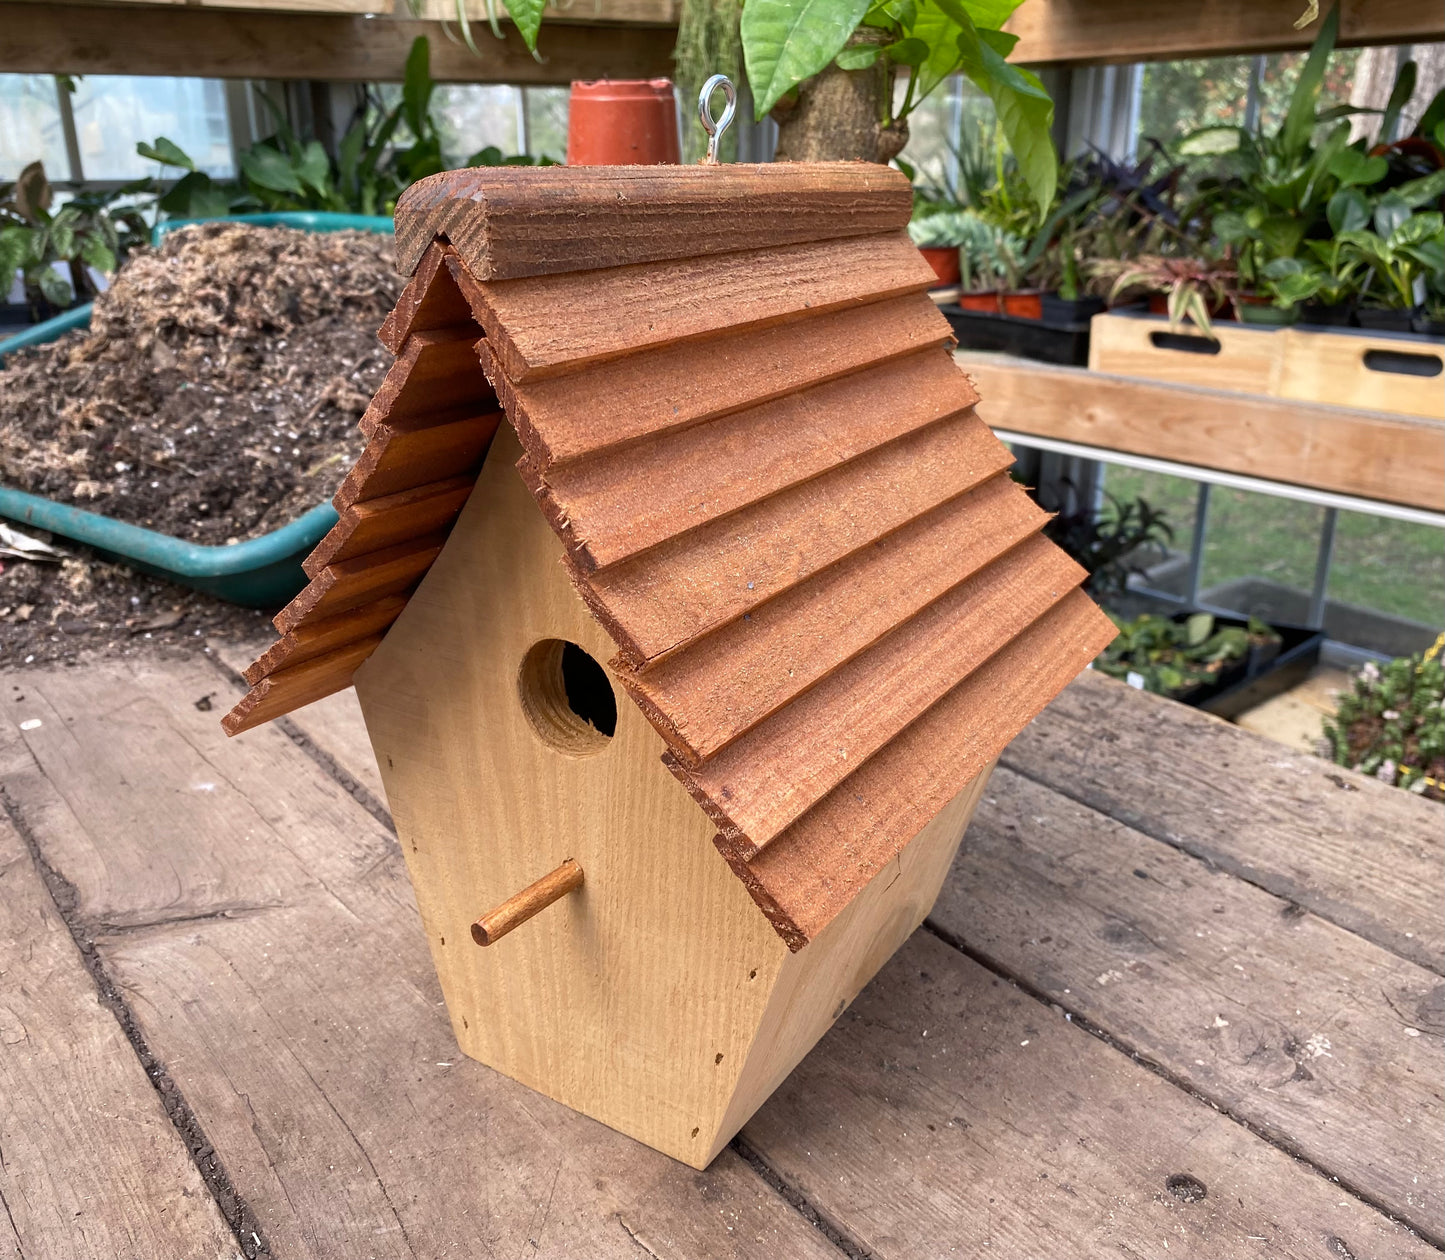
(827, 595)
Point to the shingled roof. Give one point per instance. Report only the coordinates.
(740, 414)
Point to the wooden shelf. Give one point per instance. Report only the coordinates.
(340, 44)
(1101, 31)
(1366, 455)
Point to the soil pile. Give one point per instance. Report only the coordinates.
(214, 397)
(216, 394)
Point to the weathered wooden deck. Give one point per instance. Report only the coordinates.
(1181, 997)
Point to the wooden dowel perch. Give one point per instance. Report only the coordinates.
(520, 907)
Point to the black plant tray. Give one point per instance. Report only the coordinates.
(1066, 343)
(1266, 672)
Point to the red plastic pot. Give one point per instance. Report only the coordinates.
(1024, 304)
(989, 303)
(944, 261)
(622, 122)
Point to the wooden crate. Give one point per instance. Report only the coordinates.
(1344, 367)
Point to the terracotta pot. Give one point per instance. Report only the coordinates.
(1024, 304)
(944, 261)
(622, 122)
(989, 303)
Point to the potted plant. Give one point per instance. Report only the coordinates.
(989, 262)
(938, 234)
(1404, 249)
(1185, 657)
(1391, 724)
(1193, 289)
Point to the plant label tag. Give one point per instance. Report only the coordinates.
(1135, 680)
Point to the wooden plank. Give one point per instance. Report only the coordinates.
(651, 12)
(403, 459)
(615, 505)
(1353, 851)
(314, 638)
(1295, 1026)
(714, 574)
(1397, 459)
(1103, 31)
(818, 864)
(93, 1167)
(949, 1113)
(623, 310)
(437, 373)
(123, 783)
(430, 300)
(706, 695)
(375, 524)
(569, 417)
(762, 783)
(350, 583)
(506, 222)
(186, 40)
(374, 1136)
(297, 685)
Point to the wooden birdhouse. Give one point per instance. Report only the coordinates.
(678, 570)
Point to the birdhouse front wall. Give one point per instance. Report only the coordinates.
(656, 998)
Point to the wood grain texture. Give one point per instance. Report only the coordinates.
(510, 222)
(375, 524)
(348, 584)
(707, 694)
(1372, 454)
(613, 506)
(1240, 358)
(437, 371)
(714, 574)
(93, 1167)
(1293, 824)
(186, 40)
(1296, 1026)
(1095, 31)
(760, 784)
(810, 872)
(623, 310)
(403, 459)
(123, 780)
(298, 685)
(948, 1112)
(313, 638)
(569, 417)
(1335, 367)
(582, 1005)
(430, 300)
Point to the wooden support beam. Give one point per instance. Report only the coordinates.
(533, 899)
(1101, 31)
(235, 44)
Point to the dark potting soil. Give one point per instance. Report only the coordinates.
(214, 397)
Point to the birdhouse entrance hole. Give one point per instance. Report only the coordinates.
(567, 697)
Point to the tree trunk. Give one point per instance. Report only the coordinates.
(839, 114)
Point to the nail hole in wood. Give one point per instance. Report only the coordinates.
(567, 697)
(1185, 1188)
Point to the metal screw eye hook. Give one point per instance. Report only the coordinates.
(715, 129)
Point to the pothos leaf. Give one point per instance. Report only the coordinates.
(907, 52)
(858, 58)
(787, 41)
(1025, 111)
(527, 14)
(940, 32)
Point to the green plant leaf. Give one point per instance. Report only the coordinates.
(1299, 122)
(990, 14)
(906, 52)
(314, 169)
(1390, 211)
(15, 248)
(527, 14)
(167, 153)
(858, 58)
(94, 252)
(940, 32)
(54, 287)
(1419, 192)
(266, 167)
(1025, 110)
(787, 41)
(1400, 96)
(32, 194)
(1350, 166)
(417, 86)
(1347, 211)
(1417, 229)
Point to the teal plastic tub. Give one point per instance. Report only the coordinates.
(259, 573)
